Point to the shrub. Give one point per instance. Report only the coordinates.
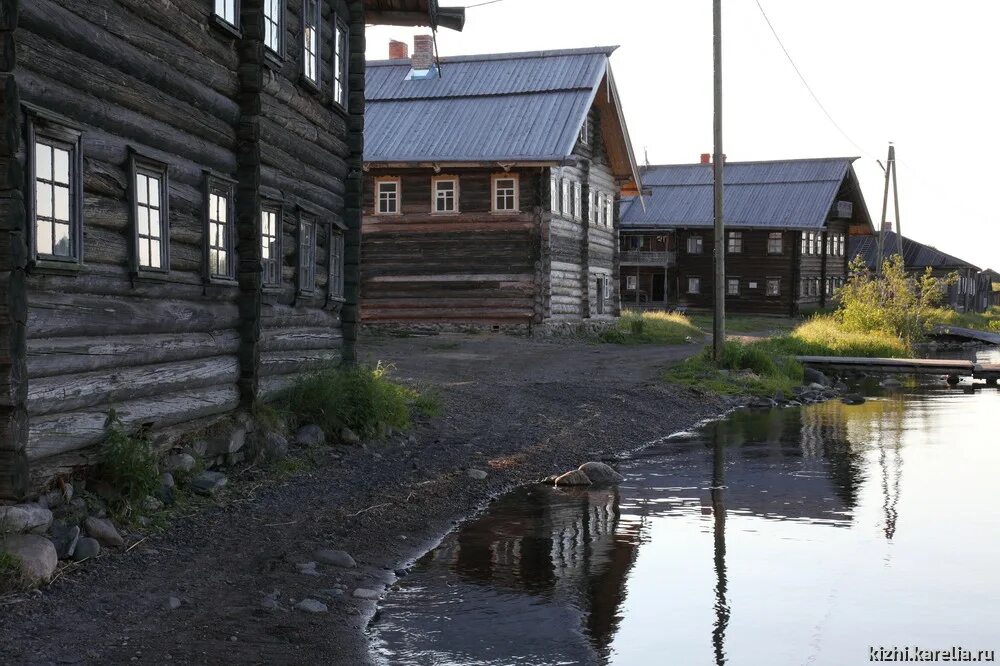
(360, 398)
(127, 463)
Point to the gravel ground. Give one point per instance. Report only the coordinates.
(518, 409)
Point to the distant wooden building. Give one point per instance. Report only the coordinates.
(965, 295)
(991, 289)
(787, 225)
(491, 189)
(179, 197)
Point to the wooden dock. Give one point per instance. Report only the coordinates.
(986, 337)
(951, 368)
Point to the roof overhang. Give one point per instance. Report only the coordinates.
(414, 13)
(437, 165)
(621, 155)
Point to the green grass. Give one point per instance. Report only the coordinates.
(360, 398)
(11, 576)
(652, 328)
(747, 323)
(980, 321)
(764, 367)
(127, 463)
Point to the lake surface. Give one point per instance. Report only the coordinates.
(795, 536)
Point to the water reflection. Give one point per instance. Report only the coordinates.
(758, 537)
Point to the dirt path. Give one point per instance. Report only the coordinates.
(517, 408)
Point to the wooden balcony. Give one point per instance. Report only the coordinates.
(640, 258)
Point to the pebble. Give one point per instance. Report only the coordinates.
(312, 606)
(308, 568)
(477, 474)
(349, 437)
(337, 558)
(173, 603)
(208, 483)
(364, 593)
(86, 549)
(310, 435)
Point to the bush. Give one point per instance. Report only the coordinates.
(360, 398)
(127, 463)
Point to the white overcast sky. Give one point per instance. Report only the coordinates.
(920, 73)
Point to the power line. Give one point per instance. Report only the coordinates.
(808, 87)
(481, 4)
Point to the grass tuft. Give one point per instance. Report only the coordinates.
(652, 327)
(127, 463)
(12, 578)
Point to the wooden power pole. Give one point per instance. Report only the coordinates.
(890, 178)
(718, 161)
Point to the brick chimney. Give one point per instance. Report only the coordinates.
(398, 50)
(706, 158)
(887, 225)
(423, 52)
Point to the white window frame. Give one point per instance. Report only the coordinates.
(768, 292)
(631, 282)
(730, 291)
(341, 50)
(696, 283)
(397, 199)
(220, 228)
(312, 48)
(567, 199)
(734, 242)
(516, 198)
(609, 213)
(436, 181)
(585, 132)
(699, 243)
(274, 26)
(600, 209)
(55, 137)
(577, 200)
(593, 216)
(554, 193)
(142, 170)
(775, 237)
(271, 226)
(228, 11)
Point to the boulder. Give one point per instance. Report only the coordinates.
(363, 593)
(275, 447)
(477, 474)
(890, 382)
(599, 472)
(86, 548)
(208, 483)
(816, 386)
(104, 531)
(151, 504)
(349, 437)
(853, 399)
(573, 478)
(181, 463)
(20, 518)
(337, 558)
(312, 606)
(36, 554)
(228, 443)
(813, 376)
(310, 435)
(64, 537)
(167, 480)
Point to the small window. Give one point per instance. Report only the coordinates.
(505, 194)
(336, 265)
(387, 192)
(228, 11)
(307, 254)
(733, 287)
(774, 243)
(555, 195)
(445, 195)
(817, 243)
(273, 24)
(220, 230)
(577, 201)
(311, 41)
(150, 212)
(773, 287)
(630, 282)
(585, 132)
(829, 286)
(270, 244)
(567, 198)
(695, 245)
(734, 242)
(341, 49)
(601, 219)
(55, 197)
(609, 213)
(592, 213)
(694, 285)
(805, 243)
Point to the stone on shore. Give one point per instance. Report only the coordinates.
(86, 548)
(104, 531)
(310, 435)
(36, 555)
(814, 376)
(181, 463)
(312, 606)
(349, 437)
(337, 558)
(477, 474)
(853, 399)
(363, 593)
(573, 478)
(275, 447)
(20, 518)
(308, 568)
(64, 537)
(599, 472)
(208, 483)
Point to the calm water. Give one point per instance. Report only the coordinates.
(797, 536)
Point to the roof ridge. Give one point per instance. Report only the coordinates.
(748, 162)
(513, 55)
(451, 98)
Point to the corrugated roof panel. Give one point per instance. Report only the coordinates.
(915, 254)
(741, 173)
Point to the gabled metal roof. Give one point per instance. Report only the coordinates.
(785, 194)
(512, 107)
(915, 255)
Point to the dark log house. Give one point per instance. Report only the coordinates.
(787, 224)
(491, 189)
(180, 192)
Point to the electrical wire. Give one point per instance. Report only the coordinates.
(482, 4)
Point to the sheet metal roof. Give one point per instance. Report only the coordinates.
(914, 254)
(503, 107)
(787, 194)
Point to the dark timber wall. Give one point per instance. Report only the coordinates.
(164, 80)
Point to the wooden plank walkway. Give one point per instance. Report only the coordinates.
(966, 334)
(909, 366)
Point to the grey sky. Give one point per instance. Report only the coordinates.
(916, 72)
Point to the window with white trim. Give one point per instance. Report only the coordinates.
(600, 208)
(773, 287)
(732, 287)
(307, 254)
(734, 242)
(630, 282)
(311, 41)
(592, 213)
(567, 200)
(150, 212)
(220, 230)
(609, 213)
(341, 49)
(270, 244)
(695, 245)
(554, 194)
(55, 197)
(387, 195)
(585, 132)
(228, 11)
(505, 194)
(694, 285)
(774, 242)
(273, 24)
(445, 195)
(817, 243)
(336, 264)
(577, 201)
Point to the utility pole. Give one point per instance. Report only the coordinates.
(895, 200)
(890, 176)
(718, 160)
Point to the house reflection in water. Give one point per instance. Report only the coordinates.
(542, 576)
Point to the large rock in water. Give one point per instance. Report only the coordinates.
(36, 554)
(573, 478)
(814, 376)
(598, 472)
(20, 518)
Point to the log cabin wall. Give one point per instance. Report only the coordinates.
(120, 82)
(468, 267)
